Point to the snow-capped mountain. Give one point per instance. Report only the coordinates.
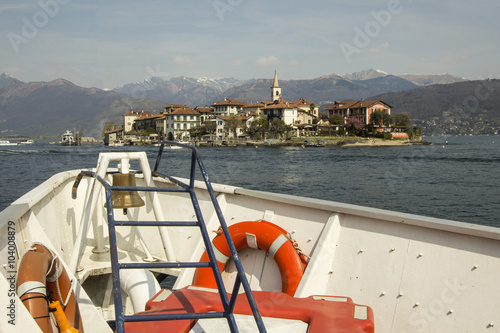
(180, 90)
(365, 75)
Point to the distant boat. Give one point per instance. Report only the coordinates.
(26, 142)
(67, 139)
(117, 143)
(7, 143)
(175, 146)
(311, 143)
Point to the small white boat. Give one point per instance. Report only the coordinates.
(26, 142)
(174, 146)
(305, 265)
(7, 143)
(117, 143)
(67, 139)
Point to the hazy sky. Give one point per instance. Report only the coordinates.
(110, 43)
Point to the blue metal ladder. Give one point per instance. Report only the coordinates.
(228, 304)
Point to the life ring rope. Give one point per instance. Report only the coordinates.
(58, 272)
(261, 235)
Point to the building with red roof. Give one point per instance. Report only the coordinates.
(360, 109)
(130, 117)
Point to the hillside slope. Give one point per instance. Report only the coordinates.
(471, 107)
(50, 108)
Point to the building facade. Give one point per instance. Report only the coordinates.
(224, 133)
(282, 110)
(206, 113)
(228, 107)
(309, 107)
(130, 117)
(179, 121)
(359, 109)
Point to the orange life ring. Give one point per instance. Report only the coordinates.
(42, 278)
(264, 236)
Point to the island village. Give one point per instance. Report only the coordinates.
(274, 122)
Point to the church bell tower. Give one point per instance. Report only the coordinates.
(275, 89)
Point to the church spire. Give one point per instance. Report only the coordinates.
(275, 83)
(275, 89)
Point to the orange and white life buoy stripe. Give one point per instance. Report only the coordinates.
(262, 235)
(42, 279)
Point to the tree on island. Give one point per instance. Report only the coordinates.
(278, 126)
(258, 128)
(336, 119)
(312, 107)
(380, 118)
(263, 126)
(196, 132)
(232, 124)
(253, 129)
(108, 127)
(401, 119)
(207, 127)
(354, 125)
(210, 127)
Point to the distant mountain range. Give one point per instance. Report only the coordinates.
(50, 108)
(322, 90)
(180, 90)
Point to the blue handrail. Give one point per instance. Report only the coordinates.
(241, 279)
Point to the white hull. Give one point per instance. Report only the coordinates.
(116, 144)
(177, 147)
(67, 139)
(7, 143)
(418, 274)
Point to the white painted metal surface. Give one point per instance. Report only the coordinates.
(246, 324)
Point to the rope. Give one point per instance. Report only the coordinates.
(296, 246)
(55, 277)
(65, 302)
(33, 297)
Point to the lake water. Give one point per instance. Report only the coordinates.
(454, 178)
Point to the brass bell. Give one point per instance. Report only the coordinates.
(125, 199)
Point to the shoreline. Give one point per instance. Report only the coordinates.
(320, 143)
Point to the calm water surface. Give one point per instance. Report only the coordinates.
(454, 178)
